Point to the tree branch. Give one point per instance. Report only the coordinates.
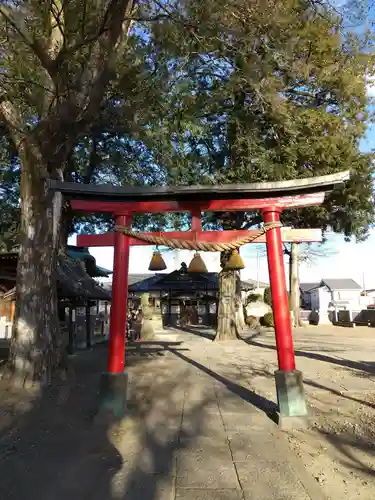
(57, 35)
(93, 162)
(286, 250)
(116, 34)
(29, 40)
(24, 81)
(13, 120)
(57, 13)
(106, 27)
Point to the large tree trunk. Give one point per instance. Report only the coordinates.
(240, 317)
(37, 349)
(66, 226)
(230, 318)
(294, 285)
(226, 319)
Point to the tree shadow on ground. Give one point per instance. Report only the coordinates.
(262, 403)
(346, 443)
(160, 428)
(264, 372)
(147, 349)
(364, 366)
(170, 413)
(199, 331)
(53, 450)
(341, 394)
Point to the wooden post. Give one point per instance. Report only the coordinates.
(88, 325)
(12, 311)
(208, 323)
(71, 324)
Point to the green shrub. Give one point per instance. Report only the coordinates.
(267, 297)
(267, 320)
(254, 297)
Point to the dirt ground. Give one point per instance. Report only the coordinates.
(338, 365)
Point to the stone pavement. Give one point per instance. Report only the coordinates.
(195, 430)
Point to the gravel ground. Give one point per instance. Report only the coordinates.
(338, 365)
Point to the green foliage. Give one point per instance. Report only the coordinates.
(267, 297)
(267, 320)
(254, 297)
(9, 194)
(280, 94)
(109, 145)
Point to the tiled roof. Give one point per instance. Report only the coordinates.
(73, 281)
(136, 278)
(176, 281)
(332, 284)
(254, 283)
(305, 287)
(341, 284)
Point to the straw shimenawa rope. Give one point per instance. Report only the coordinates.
(164, 241)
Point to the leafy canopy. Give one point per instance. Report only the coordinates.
(252, 91)
(271, 90)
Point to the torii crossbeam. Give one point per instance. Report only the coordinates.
(268, 198)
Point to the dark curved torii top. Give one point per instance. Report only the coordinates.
(205, 196)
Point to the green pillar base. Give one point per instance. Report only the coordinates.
(113, 394)
(291, 399)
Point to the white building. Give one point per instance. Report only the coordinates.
(330, 296)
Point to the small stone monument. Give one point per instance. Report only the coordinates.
(147, 329)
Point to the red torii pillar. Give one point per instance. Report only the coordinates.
(114, 382)
(289, 381)
(120, 281)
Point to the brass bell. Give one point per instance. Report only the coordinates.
(197, 264)
(235, 262)
(157, 262)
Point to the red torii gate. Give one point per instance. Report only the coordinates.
(268, 198)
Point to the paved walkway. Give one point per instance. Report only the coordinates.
(195, 431)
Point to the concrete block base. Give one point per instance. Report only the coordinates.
(292, 423)
(113, 395)
(290, 398)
